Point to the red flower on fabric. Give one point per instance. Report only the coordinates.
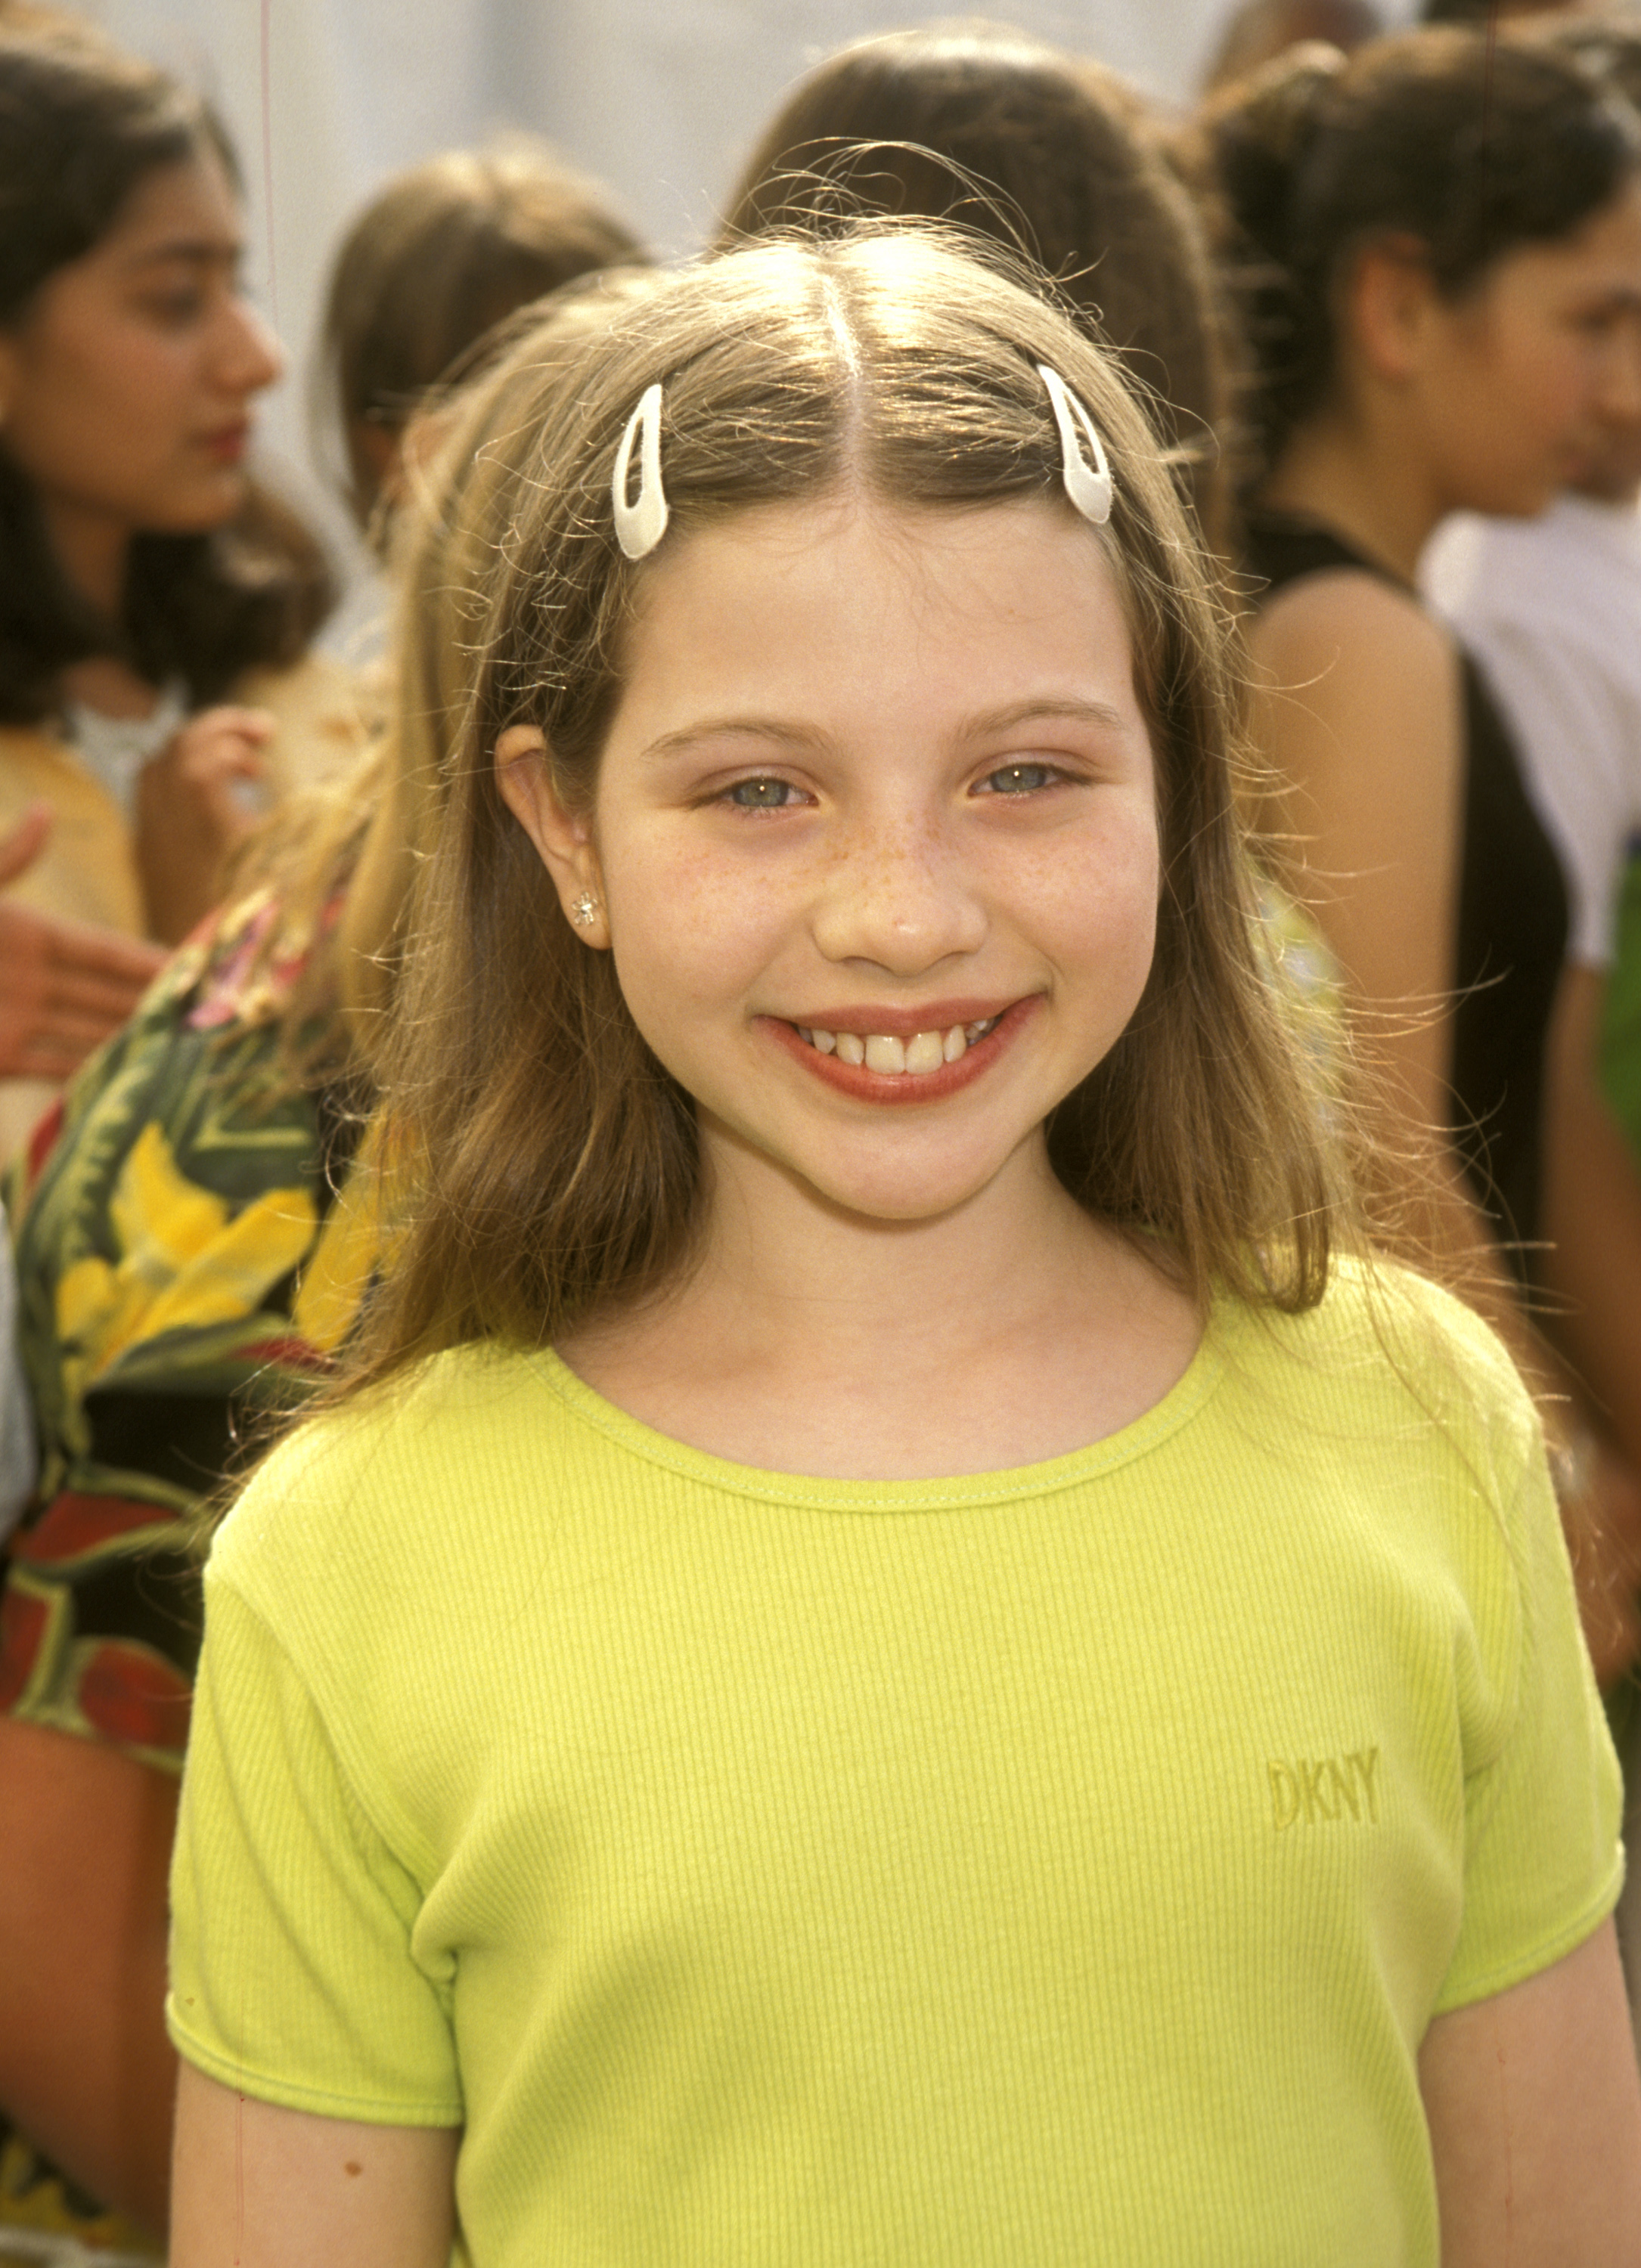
(131, 1696)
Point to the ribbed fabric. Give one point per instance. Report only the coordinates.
(1056, 1866)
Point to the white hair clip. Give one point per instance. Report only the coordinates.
(1089, 491)
(641, 525)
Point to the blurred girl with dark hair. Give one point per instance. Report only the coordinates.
(153, 600)
(1441, 247)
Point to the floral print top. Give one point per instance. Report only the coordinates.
(191, 1247)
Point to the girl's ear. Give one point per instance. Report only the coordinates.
(1391, 297)
(564, 839)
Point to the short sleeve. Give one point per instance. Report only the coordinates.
(1543, 1863)
(293, 1975)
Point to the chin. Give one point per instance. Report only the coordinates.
(902, 1200)
(210, 507)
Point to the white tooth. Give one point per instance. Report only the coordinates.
(954, 1044)
(850, 1048)
(885, 1052)
(825, 1042)
(925, 1053)
(972, 1032)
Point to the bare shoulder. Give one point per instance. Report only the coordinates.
(1346, 617)
(1358, 702)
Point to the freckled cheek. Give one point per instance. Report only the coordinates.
(1103, 902)
(700, 924)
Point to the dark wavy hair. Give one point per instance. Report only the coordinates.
(81, 126)
(1471, 149)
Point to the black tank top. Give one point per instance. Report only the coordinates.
(1512, 917)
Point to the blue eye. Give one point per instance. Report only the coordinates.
(1019, 779)
(761, 794)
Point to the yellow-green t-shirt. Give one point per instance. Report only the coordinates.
(1043, 1867)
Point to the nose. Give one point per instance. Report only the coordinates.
(895, 895)
(249, 358)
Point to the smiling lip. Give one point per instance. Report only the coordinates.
(866, 1085)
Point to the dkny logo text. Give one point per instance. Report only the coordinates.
(1308, 1791)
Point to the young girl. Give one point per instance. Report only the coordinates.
(893, 1658)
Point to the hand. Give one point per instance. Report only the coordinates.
(1600, 1511)
(195, 801)
(63, 985)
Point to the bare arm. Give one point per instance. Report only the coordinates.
(257, 2186)
(195, 801)
(1360, 717)
(64, 986)
(85, 2068)
(1535, 2112)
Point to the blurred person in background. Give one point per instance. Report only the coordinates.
(1440, 241)
(1551, 608)
(190, 1249)
(436, 259)
(156, 605)
(1490, 14)
(1260, 30)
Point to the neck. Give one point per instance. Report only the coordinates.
(842, 1291)
(811, 1340)
(93, 551)
(1345, 468)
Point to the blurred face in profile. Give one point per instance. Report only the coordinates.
(127, 388)
(1533, 378)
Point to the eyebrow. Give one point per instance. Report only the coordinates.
(1028, 712)
(196, 251)
(1098, 713)
(731, 728)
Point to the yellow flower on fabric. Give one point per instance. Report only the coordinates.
(184, 1261)
(351, 1244)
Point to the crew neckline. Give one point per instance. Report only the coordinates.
(1181, 1403)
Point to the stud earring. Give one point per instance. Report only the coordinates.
(584, 912)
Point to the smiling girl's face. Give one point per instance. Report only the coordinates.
(875, 842)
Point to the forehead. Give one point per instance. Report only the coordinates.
(189, 210)
(816, 602)
(1602, 257)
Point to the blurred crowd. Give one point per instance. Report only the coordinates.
(1381, 294)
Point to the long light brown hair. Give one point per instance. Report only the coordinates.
(544, 1163)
